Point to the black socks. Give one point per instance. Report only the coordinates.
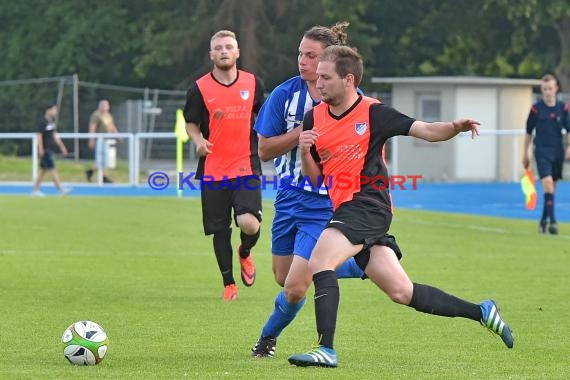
(327, 298)
(430, 300)
(224, 252)
(247, 243)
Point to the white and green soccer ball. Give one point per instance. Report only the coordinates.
(85, 343)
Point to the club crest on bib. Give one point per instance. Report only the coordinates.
(244, 94)
(360, 128)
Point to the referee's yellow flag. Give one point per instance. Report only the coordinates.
(529, 190)
(180, 127)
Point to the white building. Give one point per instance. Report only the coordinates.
(500, 104)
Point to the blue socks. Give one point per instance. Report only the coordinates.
(285, 312)
(282, 315)
(349, 269)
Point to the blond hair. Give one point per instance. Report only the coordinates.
(223, 33)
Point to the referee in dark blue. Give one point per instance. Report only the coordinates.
(547, 118)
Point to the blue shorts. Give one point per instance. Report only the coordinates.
(300, 217)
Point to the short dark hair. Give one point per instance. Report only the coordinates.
(49, 105)
(549, 77)
(347, 61)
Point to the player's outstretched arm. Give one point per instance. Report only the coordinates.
(442, 131)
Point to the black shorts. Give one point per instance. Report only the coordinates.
(365, 222)
(548, 166)
(47, 162)
(219, 197)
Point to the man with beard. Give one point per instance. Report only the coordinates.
(220, 111)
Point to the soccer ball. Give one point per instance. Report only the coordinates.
(84, 343)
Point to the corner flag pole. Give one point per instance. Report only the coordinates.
(181, 138)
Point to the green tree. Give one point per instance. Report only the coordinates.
(461, 37)
(47, 39)
(95, 39)
(177, 37)
(268, 33)
(537, 17)
(363, 32)
(450, 37)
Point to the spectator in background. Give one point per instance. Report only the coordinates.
(101, 120)
(547, 118)
(48, 142)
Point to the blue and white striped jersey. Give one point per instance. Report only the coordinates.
(281, 112)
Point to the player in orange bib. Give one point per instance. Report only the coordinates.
(220, 111)
(346, 135)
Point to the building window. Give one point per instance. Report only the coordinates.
(429, 107)
(428, 110)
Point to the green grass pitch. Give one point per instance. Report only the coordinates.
(142, 268)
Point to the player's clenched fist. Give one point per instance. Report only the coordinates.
(306, 140)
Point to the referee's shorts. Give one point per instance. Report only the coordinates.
(549, 166)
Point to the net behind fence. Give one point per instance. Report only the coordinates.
(135, 110)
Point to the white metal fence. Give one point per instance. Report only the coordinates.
(134, 109)
(507, 148)
(133, 142)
